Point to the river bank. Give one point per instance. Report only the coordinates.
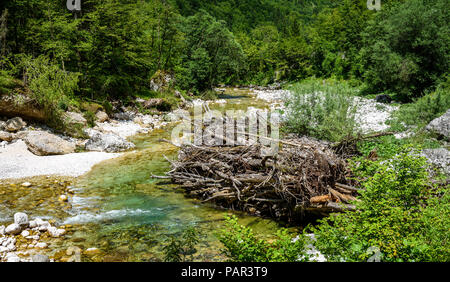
(114, 210)
(115, 207)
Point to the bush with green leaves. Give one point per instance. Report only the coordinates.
(50, 86)
(423, 110)
(7, 83)
(242, 245)
(322, 109)
(397, 213)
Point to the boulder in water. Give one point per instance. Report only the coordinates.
(21, 219)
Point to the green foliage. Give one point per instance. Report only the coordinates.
(335, 38)
(182, 248)
(241, 245)
(396, 215)
(323, 109)
(90, 118)
(423, 110)
(7, 83)
(50, 87)
(406, 48)
(211, 53)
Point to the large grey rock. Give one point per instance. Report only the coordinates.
(439, 158)
(107, 142)
(40, 258)
(14, 124)
(73, 118)
(441, 125)
(21, 219)
(6, 136)
(42, 143)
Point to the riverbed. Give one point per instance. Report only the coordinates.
(120, 210)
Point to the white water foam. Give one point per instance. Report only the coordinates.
(86, 217)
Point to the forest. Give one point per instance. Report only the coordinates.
(167, 53)
(111, 49)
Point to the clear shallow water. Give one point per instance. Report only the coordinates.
(118, 208)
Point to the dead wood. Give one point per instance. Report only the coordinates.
(305, 176)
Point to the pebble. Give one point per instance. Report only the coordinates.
(13, 229)
(26, 184)
(41, 245)
(24, 227)
(55, 232)
(25, 233)
(21, 219)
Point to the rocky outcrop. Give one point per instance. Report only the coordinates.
(106, 142)
(439, 158)
(6, 136)
(14, 124)
(440, 125)
(26, 109)
(73, 118)
(42, 143)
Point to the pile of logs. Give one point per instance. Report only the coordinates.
(305, 177)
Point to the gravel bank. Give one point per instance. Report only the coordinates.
(17, 162)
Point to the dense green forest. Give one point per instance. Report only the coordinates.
(112, 48)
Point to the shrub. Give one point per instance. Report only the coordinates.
(321, 109)
(423, 110)
(397, 214)
(50, 86)
(241, 245)
(7, 83)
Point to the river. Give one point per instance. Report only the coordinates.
(119, 209)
